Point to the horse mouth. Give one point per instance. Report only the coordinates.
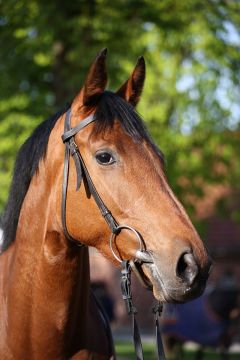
(146, 272)
(163, 290)
(156, 283)
(171, 292)
(140, 275)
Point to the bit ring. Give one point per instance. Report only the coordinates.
(114, 235)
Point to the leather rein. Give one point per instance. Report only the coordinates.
(72, 149)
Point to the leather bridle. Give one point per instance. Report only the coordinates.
(81, 169)
(72, 149)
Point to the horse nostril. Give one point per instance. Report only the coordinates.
(187, 268)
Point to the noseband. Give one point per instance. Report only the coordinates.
(72, 149)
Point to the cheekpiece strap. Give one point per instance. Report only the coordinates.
(72, 149)
(68, 150)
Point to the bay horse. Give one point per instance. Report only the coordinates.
(46, 308)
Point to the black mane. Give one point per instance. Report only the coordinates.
(29, 155)
(109, 107)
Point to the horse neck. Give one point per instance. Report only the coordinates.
(45, 277)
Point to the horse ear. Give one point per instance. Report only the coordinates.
(96, 80)
(131, 90)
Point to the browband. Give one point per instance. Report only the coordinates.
(72, 132)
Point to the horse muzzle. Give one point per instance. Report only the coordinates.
(185, 282)
(176, 279)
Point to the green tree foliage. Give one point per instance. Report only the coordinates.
(191, 100)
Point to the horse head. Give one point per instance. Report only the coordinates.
(127, 170)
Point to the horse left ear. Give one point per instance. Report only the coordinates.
(131, 90)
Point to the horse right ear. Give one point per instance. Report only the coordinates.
(95, 83)
(131, 90)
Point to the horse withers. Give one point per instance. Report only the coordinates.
(46, 308)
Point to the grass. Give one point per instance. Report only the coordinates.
(125, 351)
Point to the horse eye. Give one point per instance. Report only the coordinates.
(105, 158)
